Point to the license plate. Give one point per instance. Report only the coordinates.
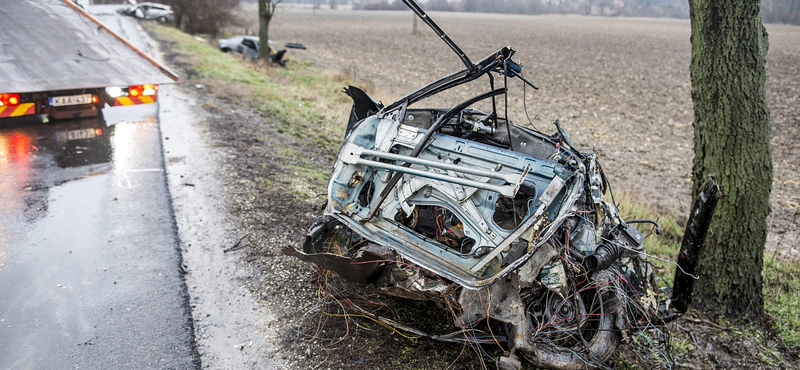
(60, 101)
(87, 133)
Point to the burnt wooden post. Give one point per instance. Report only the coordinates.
(693, 240)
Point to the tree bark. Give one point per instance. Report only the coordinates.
(266, 8)
(731, 139)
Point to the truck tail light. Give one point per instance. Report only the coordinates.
(143, 90)
(9, 99)
(114, 91)
(95, 99)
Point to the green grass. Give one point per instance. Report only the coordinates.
(662, 249)
(782, 300)
(781, 280)
(307, 101)
(302, 95)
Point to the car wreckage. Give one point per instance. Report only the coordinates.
(497, 220)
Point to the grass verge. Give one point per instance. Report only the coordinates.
(781, 280)
(306, 100)
(782, 300)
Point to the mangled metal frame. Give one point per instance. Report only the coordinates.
(400, 168)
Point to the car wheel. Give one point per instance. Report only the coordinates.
(162, 19)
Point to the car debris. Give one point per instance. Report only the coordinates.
(461, 207)
(249, 47)
(295, 45)
(151, 11)
(233, 43)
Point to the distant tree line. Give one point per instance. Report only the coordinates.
(781, 11)
(648, 8)
(773, 11)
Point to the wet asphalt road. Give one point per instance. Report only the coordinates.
(90, 266)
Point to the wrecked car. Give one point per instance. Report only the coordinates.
(249, 47)
(160, 12)
(460, 205)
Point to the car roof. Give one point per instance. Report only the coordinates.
(242, 37)
(155, 5)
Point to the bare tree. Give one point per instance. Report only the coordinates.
(203, 16)
(732, 139)
(266, 9)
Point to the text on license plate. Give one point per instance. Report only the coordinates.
(88, 133)
(59, 101)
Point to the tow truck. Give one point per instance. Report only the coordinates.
(59, 61)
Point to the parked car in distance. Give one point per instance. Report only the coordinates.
(159, 12)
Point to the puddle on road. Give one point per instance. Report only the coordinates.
(36, 156)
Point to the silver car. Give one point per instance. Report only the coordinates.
(160, 12)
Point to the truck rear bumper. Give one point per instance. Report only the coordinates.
(135, 100)
(23, 109)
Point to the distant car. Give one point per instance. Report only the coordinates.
(231, 44)
(160, 12)
(247, 45)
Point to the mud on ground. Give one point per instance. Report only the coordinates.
(621, 86)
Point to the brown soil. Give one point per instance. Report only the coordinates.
(619, 85)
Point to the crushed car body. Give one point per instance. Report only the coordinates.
(459, 205)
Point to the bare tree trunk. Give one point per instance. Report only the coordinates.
(266, 8)
(731, 139)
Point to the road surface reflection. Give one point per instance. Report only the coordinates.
(35, 156)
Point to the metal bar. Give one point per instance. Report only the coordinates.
(507, 177)
(507, 191)
(507, 241)
(423, 143)
(544, 201)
